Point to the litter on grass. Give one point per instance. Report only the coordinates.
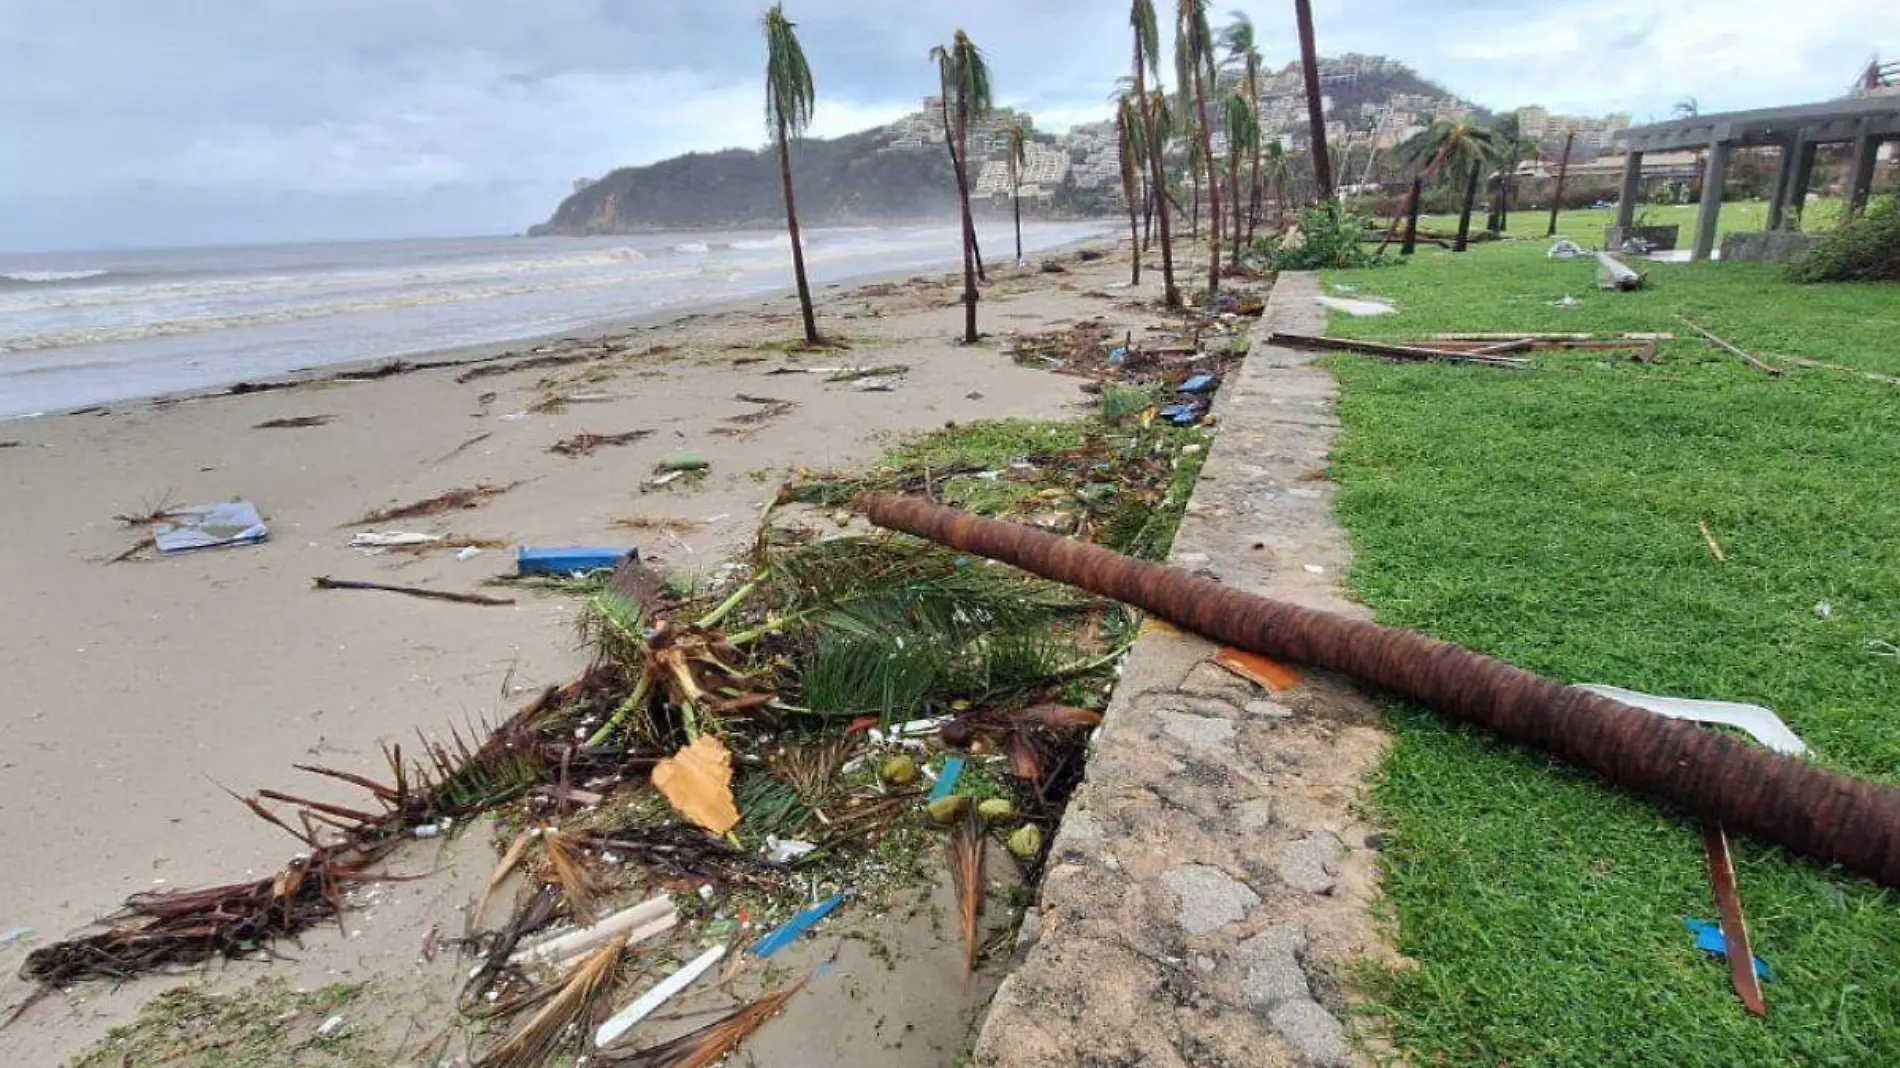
(1759, 723)
(1709, 939)
(1355, 308)
(209, 526)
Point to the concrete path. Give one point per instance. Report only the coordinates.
(1214, 873)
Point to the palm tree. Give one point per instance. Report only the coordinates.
(1018, 159)
(789, 98)
(1194, 65)
(966, 76)
(1195, 174)
(959, 157)
(1275, 175)
(1129, 137)
(1516, 146)
(1242, 48)
(1141, 18)
(1458, 148)
(1243, 138)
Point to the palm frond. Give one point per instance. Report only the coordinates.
(567, 865)
(533, 1043)
(790, 93)
(1141, 16)
(1238, 36)
(855, 675)
(706, 1046)
(971, 75)
(966, 877)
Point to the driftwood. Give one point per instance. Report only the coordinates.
(1751, 361)
(1796, 804)
(1414, 353)
(325, 582)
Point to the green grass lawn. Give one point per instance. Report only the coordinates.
(1585, 225)
(1551, 518)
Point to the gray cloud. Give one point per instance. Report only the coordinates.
(168, 121)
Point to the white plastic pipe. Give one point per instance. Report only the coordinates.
(653, 912)
(621, 1022)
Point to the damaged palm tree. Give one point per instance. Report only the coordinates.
(1802, 807)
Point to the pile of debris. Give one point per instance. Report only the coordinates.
(738, 762)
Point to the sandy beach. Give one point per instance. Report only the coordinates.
(140, 690)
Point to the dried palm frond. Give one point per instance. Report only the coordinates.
(704, 1047)
(533, 914)
(572, 998)
(966, 876)
(812, 769)
(567, 866)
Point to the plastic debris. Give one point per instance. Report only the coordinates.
(1180, 414)
(391, 539)
(684, 460)
(1568, 301)
(650, 918)
(570, 561)
(1117, 356)
(797, 925)
(1355, 308)
(468, 552)
(1265, 671)
(209, 526)
(910, 729)
(1709, 939)
(1759, 723)
(330, 1026)
(15, 934)
(1200, 384)
(947, 779)
(1565, 250)
(622, 1022)
(785, 850)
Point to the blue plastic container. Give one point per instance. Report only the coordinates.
(570, 561)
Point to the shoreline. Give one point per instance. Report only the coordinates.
(493, 351)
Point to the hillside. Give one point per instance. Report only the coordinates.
(842, 180)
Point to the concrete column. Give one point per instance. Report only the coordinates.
(1632, 189)
(1784, 181)
(1798, 188)
(1712, 177)
(1860, 173)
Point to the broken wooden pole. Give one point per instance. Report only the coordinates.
(1798, 805)
(1414, 353)
(1764, 368)
(1621, 277)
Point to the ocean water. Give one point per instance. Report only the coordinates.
(84, 328)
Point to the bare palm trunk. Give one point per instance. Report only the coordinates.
(798, 249)
(1194, 220)
(1233, 198)
(1315, 114)
(1471, 201)
(957, 156)
(1134, 242)
(1563, 171)
(1411, 216)
(1147, 214)
(1170, 293)
(1016, 196)
(1212, 164)
(970, 261)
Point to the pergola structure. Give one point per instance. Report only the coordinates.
(1867, 122)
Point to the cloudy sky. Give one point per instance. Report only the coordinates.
(153, 122)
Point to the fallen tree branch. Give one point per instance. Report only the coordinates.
(1796, 804)
(1739, 354)
(325, 582)
(1413, 353)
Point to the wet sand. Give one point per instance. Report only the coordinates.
(137, 689)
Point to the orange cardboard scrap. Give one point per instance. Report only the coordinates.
(1266, 671)
(697, 781)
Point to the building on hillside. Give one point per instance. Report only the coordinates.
(1595, 133)
(1044, 168)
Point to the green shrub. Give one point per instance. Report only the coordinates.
(1329, 238)
(1865, 250)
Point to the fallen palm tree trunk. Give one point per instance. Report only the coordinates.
(1804, 808)
(1412, 353)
